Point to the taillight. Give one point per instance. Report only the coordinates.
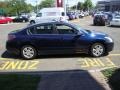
(11, 37)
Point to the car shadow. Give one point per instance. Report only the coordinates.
(64, 56)
(12, 56)
(95, 25)
(113, 26)
(9, 55)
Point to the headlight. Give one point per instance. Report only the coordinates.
(109, 39)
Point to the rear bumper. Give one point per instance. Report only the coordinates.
(12, 48)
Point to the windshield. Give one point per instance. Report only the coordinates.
(78, 27)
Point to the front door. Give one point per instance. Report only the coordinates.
(68, 36)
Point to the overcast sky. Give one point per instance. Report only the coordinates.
(71, 2)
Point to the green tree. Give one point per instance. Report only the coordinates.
(88, 4)
(46, 3)
(73, 7)
(79, 6)
(15, 7)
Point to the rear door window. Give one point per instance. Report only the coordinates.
(44, 29)
(31, 30)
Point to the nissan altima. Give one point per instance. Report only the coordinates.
(57, 38)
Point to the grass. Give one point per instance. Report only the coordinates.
(113, 77)
(18, 82)
(108, 72)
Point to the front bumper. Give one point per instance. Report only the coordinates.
(109, 47)
(115, 23)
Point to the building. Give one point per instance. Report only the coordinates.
(108, 5)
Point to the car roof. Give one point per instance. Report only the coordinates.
(99, 14)
(49, 22)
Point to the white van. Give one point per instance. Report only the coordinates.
(49, 14)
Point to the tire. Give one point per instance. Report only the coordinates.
(94, 23)
(104, 23)
(32, 22)
(28, 52)
(24, 21)
(97, 50)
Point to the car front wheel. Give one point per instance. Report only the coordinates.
(97, 50)
(32, 22)
(28, 52)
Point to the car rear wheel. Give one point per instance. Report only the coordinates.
(97, 50)
(28, 52)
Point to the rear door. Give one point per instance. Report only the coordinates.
(44, 37)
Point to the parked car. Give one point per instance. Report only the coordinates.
(5, 20)
(115, 21)
(12, 17)
(20, 19)
(81, 15)
(86, 13)
(57, 38)
(70, 16)
(76, 15)
(49, 14)
(99, 19)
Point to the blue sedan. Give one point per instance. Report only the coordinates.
(57, 38)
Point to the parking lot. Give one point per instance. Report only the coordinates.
(10, 62)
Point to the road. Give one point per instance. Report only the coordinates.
(13, 63)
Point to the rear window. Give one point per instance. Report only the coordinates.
(99, 16)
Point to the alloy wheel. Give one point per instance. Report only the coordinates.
(97, 50)
(28, 52)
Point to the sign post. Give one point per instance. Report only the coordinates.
(61, 3)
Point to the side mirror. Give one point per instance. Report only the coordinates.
(79, 33)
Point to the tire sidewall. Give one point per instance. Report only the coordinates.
(35, 52)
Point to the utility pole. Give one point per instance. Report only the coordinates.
(37, 6)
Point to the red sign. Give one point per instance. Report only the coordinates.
(59, 3)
